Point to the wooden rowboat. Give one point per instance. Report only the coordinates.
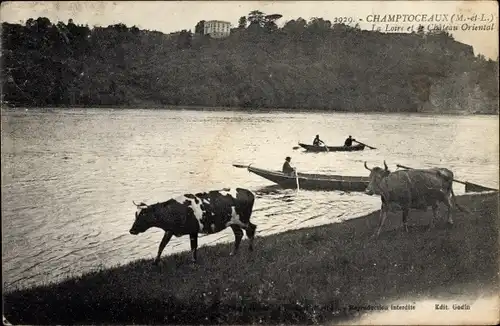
(314, 181)
(312, 148)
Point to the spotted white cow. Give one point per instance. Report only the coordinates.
(207, 213)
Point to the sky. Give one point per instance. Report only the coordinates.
(170, 16)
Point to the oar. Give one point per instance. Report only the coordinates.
(326, 147)
(364, 144)
(296, 179)
(240, 166)
(469, 186)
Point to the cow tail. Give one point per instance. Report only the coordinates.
(460, 207)
(252, 196)
(247, 205)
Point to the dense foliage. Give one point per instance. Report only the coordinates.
(307, 65)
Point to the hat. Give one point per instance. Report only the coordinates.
(288, 158)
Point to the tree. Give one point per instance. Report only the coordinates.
(200, 27)
(319, 24)
(184, 39)
(256, 17)
(270, 22)
(420, 30)
(242, 22)
(295, 26)
(43, 22)
(30, 22)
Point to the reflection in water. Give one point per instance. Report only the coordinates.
(69, 176)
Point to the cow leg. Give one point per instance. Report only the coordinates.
(193, 237)
(166, 238)
(434, 215)
(250, 231)
(449, 203)
(383, 216)
(406, 211)
(238, 234)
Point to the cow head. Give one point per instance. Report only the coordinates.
(376, 176)
(144, 218)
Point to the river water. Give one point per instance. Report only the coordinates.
(69, 176)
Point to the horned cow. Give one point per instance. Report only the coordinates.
(418, 189)
(205, 213)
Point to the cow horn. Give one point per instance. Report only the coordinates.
(366, 167)
(139, 205)
(385, 166)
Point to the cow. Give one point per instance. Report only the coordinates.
(416, 188)
(205, 213)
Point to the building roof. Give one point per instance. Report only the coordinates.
(217, 21)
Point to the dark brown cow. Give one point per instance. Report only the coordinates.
(208, 213)
(418, 189)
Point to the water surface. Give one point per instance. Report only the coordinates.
(69, 176)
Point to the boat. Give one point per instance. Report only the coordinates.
(313, 181)
(313, 148)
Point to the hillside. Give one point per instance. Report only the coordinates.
(300, 66)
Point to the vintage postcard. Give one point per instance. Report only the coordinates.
(250, 162)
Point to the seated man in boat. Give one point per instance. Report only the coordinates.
(317, 141)
(287, 168)
(348, 141)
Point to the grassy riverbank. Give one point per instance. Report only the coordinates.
(301, 276)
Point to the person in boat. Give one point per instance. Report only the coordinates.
(348, 141)
(317, 141)
(287, 168)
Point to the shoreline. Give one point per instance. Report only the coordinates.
(296, 276)
(197, 108)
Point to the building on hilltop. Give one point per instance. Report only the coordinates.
(217, 28)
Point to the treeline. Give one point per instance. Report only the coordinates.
(305, 64)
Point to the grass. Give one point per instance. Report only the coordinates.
(302, 276)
